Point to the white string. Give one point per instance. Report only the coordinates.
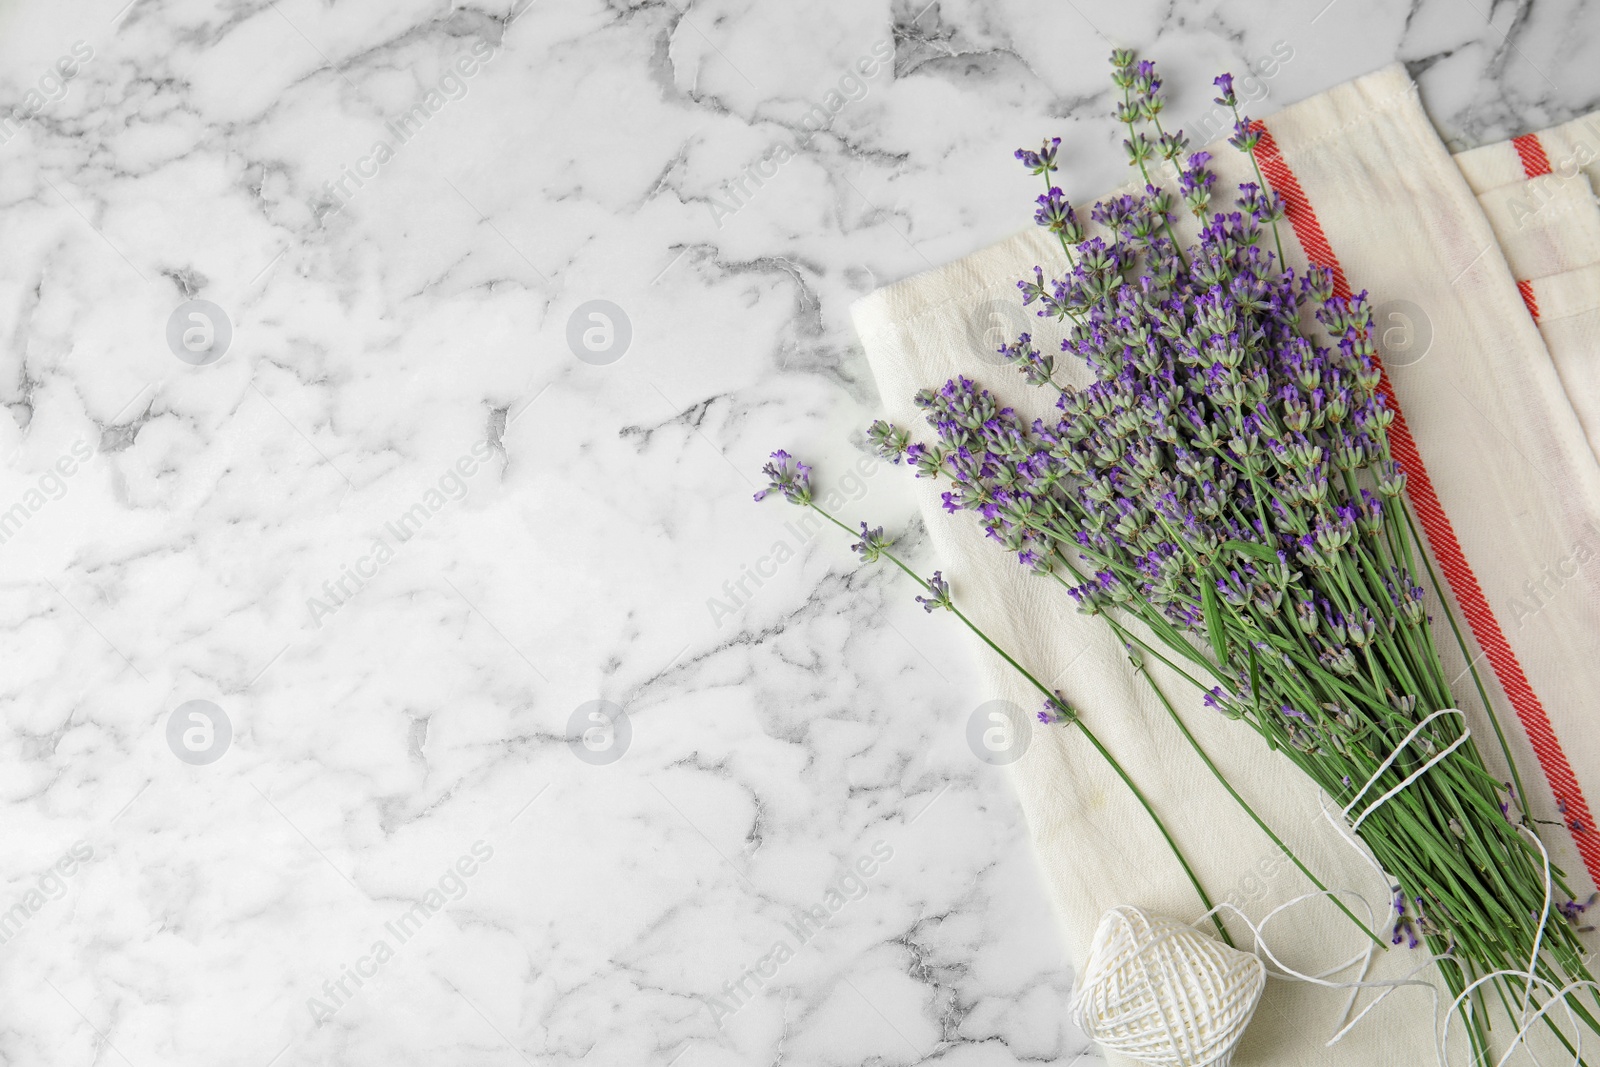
(1466, 732)
(1365, 957)
(1197, 995)
(1560, 995)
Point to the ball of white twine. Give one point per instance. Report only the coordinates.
(1165, 994)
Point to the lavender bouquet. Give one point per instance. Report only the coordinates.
(1224, 496)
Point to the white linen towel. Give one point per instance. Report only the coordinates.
(1510, 494)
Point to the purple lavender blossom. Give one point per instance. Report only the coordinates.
(1245, 136)
(939, 594)
(1056, 709)
(1056, 215)
(1044, 160)
(872, 544)
(794, 483)
(1224, 83)
(1573, 911)
(888, 440)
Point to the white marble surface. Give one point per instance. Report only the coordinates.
(419, 718)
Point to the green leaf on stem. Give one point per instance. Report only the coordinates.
(1255, 679)
(1215, 628)
(1250, 548)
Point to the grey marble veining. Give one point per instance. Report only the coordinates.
(422, 513)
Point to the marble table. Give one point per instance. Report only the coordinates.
(396, 668)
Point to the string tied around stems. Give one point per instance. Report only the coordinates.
(1164, 994)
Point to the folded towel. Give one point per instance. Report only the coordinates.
(1538, 193)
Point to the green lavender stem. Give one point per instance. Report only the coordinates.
(1217, 773)
(1066, 246)
(1166, 223)
(1472, 663)
(1222, 931)
(1261, 183)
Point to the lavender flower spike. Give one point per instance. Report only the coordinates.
(941, 594)
(872, 544)
(1224, 84)
(888, 440)
(1056, 709)
(1042, 161)
(794, 484)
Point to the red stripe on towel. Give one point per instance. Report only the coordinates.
(1534, 161)
(1526, 289)
(1442, 537)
